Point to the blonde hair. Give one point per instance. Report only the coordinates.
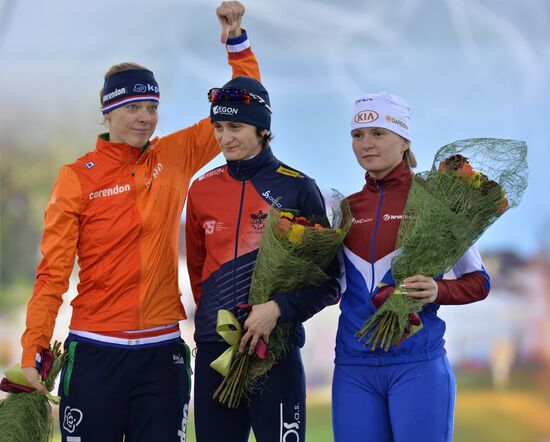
(409, 158)
(124, 66)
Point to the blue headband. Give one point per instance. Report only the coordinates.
(129, 86)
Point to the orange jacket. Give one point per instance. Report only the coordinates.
(120, 211)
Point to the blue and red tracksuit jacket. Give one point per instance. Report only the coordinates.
(226, 212)
(366, 261)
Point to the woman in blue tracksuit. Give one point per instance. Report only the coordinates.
(226, 212)
(408, 392)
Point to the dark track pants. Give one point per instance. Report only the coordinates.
(276, 411)
(109, 391)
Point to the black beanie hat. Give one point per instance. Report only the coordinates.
(255, 113)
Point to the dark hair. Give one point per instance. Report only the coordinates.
(266, 137)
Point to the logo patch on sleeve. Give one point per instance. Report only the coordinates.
(289, 172)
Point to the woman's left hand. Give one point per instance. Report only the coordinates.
(423, 288)
(230, 15)
(261, 320)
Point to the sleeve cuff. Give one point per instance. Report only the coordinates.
(287, 310)
(238, 44)
(31, 359)
(442, 293)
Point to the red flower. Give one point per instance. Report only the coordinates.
(47, 362)
(12, 387)
(303, 221)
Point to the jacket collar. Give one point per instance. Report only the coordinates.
(246, 169)
(401, 174)
(120, 152)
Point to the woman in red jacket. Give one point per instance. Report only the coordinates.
(226, 212)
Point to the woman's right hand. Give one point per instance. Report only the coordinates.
(31, 374)
(259, 324)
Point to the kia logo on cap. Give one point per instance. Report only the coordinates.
(139, 88)
(365, 116)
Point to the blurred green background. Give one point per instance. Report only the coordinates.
(483, 414)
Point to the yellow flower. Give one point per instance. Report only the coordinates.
(475, 180)
(286, 214)
(296, 233)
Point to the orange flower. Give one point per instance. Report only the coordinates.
(466, 170)
(503, 205)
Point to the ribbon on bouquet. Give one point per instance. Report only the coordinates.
(15, 381)
(230, 329)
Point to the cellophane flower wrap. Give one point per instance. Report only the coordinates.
(25, 414)
(294, 253)
(470, 185)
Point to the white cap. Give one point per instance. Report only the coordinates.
(383, 110)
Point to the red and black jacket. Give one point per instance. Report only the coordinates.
(226, 212)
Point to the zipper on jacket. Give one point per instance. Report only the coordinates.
(139, 159)
(237, 241)
(141, 261)
(133, 168)
(380, 200)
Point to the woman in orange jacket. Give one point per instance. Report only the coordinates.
(118, 209)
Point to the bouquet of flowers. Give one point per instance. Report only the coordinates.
(25, 414)
(294, 253)
(470, 185)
